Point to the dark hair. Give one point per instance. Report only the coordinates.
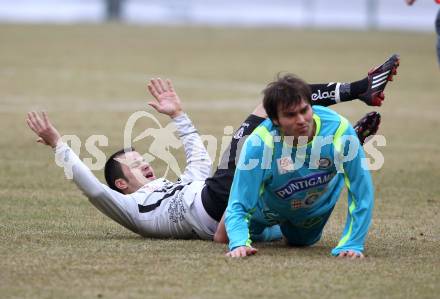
(113, 169)
(287, 90)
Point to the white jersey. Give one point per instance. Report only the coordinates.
(160, 208)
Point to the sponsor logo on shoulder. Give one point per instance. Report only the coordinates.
(285, 165)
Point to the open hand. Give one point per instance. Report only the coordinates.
(166, 99)
(351, 254)
(242, 251)
(40, 124)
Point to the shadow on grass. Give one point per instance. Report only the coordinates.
(280, 247)
(100, 236)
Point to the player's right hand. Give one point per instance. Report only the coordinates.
(40, 124)
(242, 251)
(166, 99)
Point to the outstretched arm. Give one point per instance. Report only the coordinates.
(111, 203)
(198, 162)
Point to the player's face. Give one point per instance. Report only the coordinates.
(296, 120)
(137, 171)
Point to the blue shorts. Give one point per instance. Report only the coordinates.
(306, 233)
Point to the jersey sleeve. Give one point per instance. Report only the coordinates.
(198, 162)
(245, 191)
(113, 204)
(360, 198)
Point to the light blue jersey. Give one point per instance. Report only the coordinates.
(299, 186)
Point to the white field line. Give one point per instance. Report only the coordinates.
(23, 161)
(24, 103)
(13, 104)
(410, 146)
(188, 82)
(18, 104)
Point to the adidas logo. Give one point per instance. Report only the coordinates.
(380, 79)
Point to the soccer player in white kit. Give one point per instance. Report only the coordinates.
(146, 205)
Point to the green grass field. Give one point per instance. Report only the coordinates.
(55, 244)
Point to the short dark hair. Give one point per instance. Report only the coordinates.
(286, 90)
(113, 169)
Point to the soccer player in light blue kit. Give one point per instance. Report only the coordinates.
(291, 172)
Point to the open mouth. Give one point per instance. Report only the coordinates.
(149, 175)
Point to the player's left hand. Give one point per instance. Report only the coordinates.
(351, 254)
(166, 99)
(242, 251)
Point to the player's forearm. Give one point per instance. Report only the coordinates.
(360, 205)
(237, 217)
(79, 172)
(111, 203)
(239, 211)
(245, 192)
(356, 229)
(198, 162)
(359, 216)
(236, 222)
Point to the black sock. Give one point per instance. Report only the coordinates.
(326, 94)
(351, 91)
